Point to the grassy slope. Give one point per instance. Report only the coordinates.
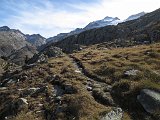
(80, 105)
(110, 66)
(107, 65)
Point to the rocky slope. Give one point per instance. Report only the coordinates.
(140, 31)
(21, 56)
(36, 39)
(11, 40)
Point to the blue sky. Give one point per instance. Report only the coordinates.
(50, 17)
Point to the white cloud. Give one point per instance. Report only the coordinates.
(49, 21)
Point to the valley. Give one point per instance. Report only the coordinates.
(110, 72)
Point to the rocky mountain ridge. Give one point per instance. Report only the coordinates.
(36, 39)
(11, 40)
(139, 31)
(17, 46)
(95, 24)
(135, 16)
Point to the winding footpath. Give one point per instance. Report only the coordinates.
(98, 88)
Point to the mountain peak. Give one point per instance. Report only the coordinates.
(104, 22)
(4, 28)
(107, 18)
(36, 39)
(135, 16)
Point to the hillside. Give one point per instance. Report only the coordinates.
(140, 31)
(68, 87)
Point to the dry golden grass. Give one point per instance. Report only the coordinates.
(110, 65)
(64, 68)
(81, 105)
(107, 65)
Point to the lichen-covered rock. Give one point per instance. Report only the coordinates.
(150, 100)
(131, 72)
(115, 114)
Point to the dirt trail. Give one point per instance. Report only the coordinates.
(94, 85)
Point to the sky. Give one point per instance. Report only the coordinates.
(51, 17)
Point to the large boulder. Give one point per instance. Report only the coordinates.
(150, 100)
(48, 52)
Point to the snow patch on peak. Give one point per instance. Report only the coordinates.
(135, 16)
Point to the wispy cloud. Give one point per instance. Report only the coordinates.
(52, 17)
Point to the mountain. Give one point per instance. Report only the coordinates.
(139, 31)
(104, 22)
(36, 39)
(57, 37)
(16, 46)
(133, 17)
(11, 40)
(96, 24)
(4, 28)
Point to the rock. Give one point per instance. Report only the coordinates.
(46, 53)
(40, 105)
(3, 88)
(21, 103)
(69, 89)
(103, 97)
(108, 88)
(77, 71)
(58, 99)
(8, 82)
(33, 91)
(131, 72)
(42, 58)
(115, 114)
(53, 51)
(29, 66)
(29, 91)
(150, 100)
(58, 90)
(89, 88)
(11, 81)
(38, 90)
(97, 86)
